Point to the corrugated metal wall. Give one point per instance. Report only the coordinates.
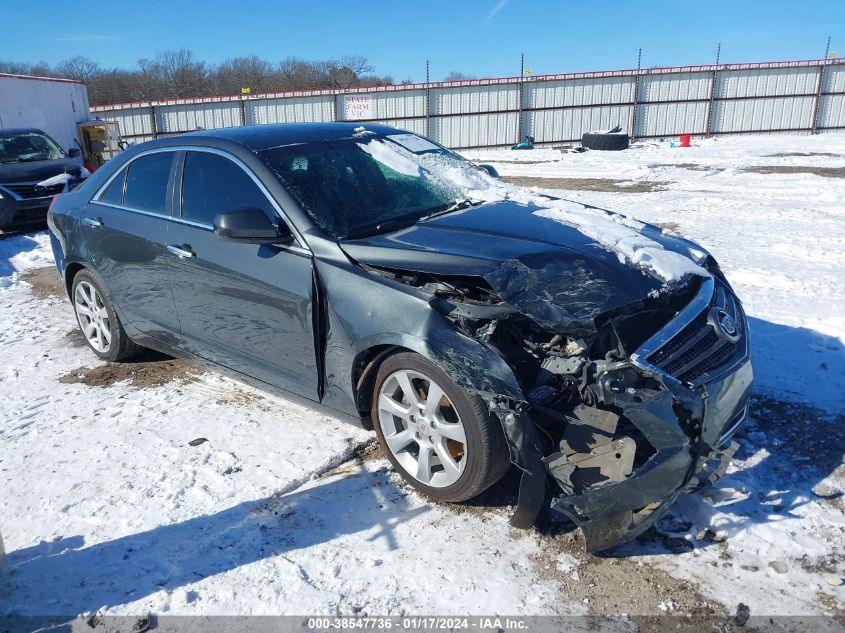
(804, 96)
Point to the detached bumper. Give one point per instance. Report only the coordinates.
(610, 513)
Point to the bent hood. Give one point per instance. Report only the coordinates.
(560, 265)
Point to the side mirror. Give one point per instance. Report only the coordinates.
(251, 226)
(74, 152)
(490, 170)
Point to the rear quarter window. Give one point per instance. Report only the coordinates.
(113, 194)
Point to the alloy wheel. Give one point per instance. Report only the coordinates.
(93, 316)
(422, 428)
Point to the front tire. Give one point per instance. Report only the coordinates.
(98, 320)
(442, 441)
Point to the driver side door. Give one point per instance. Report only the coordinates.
(247, 307)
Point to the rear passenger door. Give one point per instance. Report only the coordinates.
(124, 228)
(244, 306)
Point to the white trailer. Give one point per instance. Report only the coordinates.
(54, 106)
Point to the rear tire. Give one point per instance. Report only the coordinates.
(605, 142)
(98, 320)
(438, 425)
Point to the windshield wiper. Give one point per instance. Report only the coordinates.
(398, 223)
(458, 205)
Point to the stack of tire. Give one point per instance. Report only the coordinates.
(611, 140)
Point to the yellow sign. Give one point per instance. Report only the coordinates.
(832, 55)
(527, 71)
(245, 91)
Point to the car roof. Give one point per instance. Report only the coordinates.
(260, 137)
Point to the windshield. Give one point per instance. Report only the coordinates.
(371, 183)
(23, 147)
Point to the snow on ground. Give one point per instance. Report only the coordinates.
(107, 506)
(780, 239)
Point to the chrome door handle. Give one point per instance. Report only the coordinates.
(181, 252)
(93, 222)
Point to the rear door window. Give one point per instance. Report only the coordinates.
(213, 184)
(146, 183)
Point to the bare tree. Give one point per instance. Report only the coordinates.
(39, 69)
(299, 74)
(243, 72)
(346, 72)
(79, 67)
(174, 73)
(178, 73)
(457, 76)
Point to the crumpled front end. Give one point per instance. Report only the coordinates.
(660, 422)
(624, 407)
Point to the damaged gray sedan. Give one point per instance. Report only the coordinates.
(381, 278)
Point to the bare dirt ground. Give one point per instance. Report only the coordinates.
(45, 282)
(150, 369)
(588, 184)
(827, 172)
(803, 154)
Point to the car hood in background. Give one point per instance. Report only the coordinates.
(549, 271)
(37, 171)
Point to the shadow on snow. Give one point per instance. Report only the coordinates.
(64, 578)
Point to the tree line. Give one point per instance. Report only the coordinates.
(179, 73)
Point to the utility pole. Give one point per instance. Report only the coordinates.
(632, 132)
(718, 52)
(827, 48)
(519, 125)
(427, 100)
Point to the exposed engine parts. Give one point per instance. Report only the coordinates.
(621, 441)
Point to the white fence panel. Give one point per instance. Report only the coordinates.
(766, 82)
(574, 92)
(475, 130)
(548, 126)
(417, 126)
(834, 79)
(832, 111)
(674, 87)
(759, 115)
(290, 110)
(187, 118)
(475, 99)
(133, 122)
(670, 119)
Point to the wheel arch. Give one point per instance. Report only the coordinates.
(71, 270)
(468, 363)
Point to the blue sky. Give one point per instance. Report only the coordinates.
(477, 37)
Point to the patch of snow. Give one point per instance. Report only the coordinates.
(388, 155)
(629, 245)
(58, 179)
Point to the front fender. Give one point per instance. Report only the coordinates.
(394, 315)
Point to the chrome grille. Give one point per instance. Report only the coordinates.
(702, 346)
(28, 191)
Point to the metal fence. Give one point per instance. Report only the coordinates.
(796, 96)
